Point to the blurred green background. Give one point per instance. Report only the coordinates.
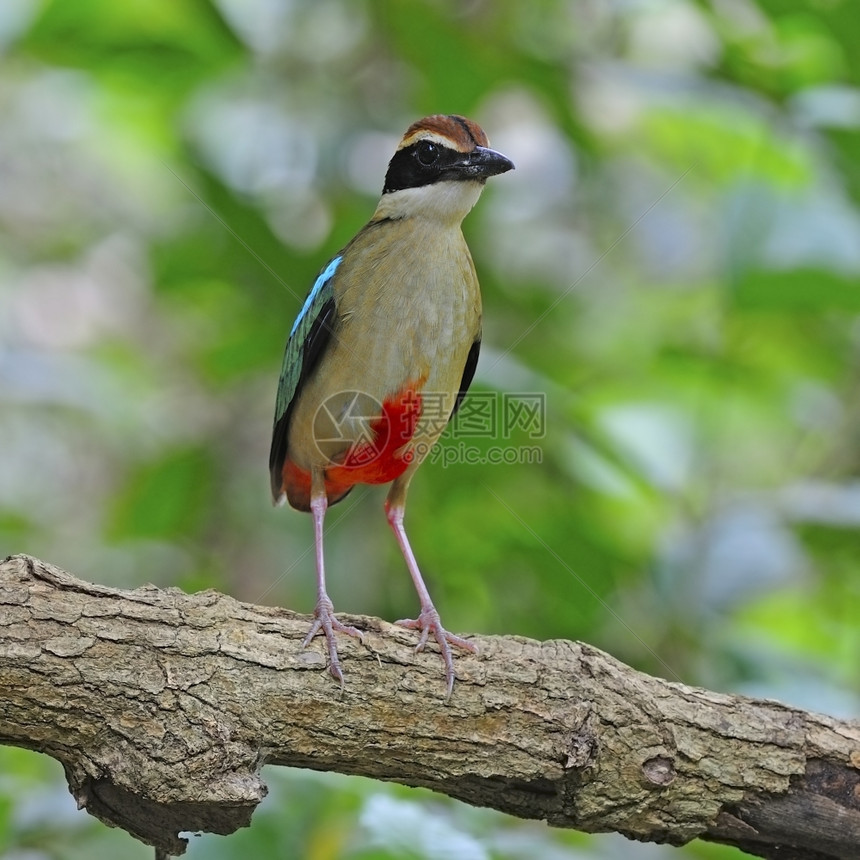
(675, 264)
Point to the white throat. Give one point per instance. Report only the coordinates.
(447, 202)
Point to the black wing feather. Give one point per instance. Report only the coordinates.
(468, 375)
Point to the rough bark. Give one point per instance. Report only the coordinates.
(163, 706)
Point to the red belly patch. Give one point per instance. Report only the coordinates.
(378, 458)
(381, 458)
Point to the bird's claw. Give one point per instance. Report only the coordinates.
(429, 622)
(326, 623)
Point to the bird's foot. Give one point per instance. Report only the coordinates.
(326, 623)
(428, 622)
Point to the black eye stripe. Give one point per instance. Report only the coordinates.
(420, 163)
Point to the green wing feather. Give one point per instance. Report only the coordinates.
(309, 335)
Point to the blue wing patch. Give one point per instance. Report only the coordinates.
(324, 277)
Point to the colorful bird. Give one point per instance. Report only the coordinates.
(383, 351)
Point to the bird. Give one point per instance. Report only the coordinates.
(382, 353)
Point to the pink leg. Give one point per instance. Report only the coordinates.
(428, 620)
(324, 619)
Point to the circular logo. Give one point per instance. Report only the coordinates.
(351, 428)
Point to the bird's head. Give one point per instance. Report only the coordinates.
(439, 169)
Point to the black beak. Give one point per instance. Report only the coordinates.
(482, 163)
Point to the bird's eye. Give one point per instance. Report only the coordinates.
(427, 153)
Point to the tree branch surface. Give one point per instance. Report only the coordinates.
(163, 707)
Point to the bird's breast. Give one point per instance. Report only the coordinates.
(413, 308)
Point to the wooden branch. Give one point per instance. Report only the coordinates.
(163, 706)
